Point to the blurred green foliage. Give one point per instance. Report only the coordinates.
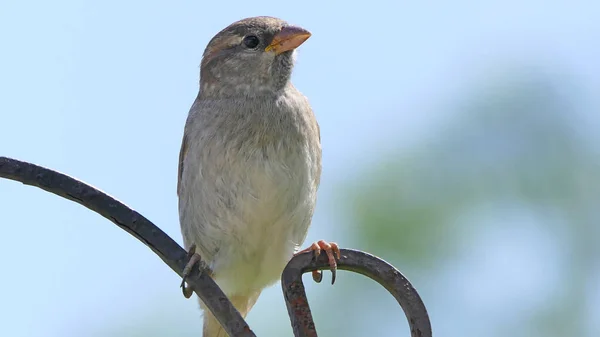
(510, 141)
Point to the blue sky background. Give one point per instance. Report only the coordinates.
(101, 90)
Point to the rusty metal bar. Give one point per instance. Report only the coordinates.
(135, 224)
(359, 262)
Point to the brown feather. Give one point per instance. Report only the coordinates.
(182, 153)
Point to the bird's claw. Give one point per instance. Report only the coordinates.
(333, 253)
(193, 259)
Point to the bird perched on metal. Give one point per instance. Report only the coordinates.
(250, 163)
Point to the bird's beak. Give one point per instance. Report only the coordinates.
(289, 38)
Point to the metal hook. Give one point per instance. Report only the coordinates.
(359, 262)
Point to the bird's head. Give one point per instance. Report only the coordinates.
(250, 57)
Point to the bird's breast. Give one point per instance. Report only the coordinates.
(249, 186)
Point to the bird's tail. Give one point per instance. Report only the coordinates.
(212, 327)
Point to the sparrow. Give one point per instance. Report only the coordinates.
(249, 164)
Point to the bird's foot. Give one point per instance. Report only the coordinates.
(332, 250)
(193, 259)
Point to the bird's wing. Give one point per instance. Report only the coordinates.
(182, 152)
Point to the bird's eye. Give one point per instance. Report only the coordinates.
(251, 41)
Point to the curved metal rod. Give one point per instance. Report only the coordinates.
(135, 224)
(214, 298)
(359, 262)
